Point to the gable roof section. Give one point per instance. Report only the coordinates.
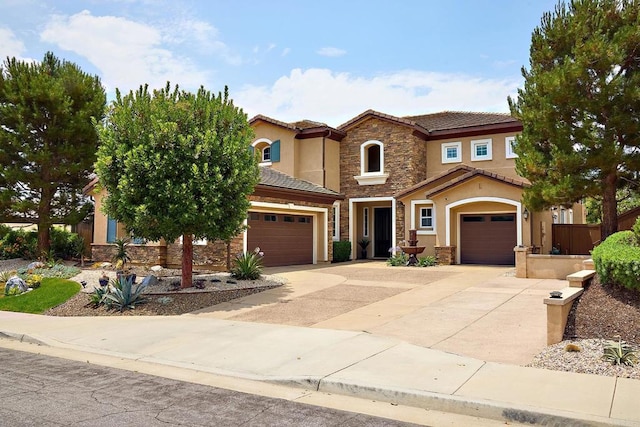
(303, 128)
(446, 124)
(468, 173)
(417, 130)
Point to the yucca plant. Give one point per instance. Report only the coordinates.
(620, 353)
(248, 265)
(124, 294)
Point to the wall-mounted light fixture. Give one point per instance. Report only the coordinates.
(525, 214)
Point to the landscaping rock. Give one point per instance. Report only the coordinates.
(150, 280)
(35, 264)
(156, 268)
(15, 282)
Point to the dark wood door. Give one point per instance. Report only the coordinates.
(284, 239)
(488, 239)
(381, 232)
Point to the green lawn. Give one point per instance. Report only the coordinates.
(52, 292)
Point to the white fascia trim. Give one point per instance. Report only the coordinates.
(267, 206)
(352, 237)
(414, 205)
(447, 214)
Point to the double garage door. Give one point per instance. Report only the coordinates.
(284, 239)
(488, 239)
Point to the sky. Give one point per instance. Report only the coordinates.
(321, 60)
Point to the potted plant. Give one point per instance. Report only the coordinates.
(103, 280)
(121, 258)
(364, 243)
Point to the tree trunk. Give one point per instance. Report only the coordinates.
(187, 260)
(609, 206)
(44, 221)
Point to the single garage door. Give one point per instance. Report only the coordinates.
(284, 239)
(488, 239)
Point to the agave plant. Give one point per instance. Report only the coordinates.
(124, 294)
(620, 353)
(248, 265)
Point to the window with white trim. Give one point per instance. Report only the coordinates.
(266, 154)
(481, 150)
(426, 218)
(509, 145)
(372, 158)
(195, 242)
(365, 222)
(452, 152)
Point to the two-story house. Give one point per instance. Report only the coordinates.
(451, 176)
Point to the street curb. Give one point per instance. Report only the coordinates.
(488, 409)
(502, 411)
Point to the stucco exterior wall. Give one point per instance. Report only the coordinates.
(308, 160)
(499, 163)
(287, 145)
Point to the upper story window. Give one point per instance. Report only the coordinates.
(481, 150)
(452, 152)
(372, 164)
(267, 151)
(510, 143)
(266, 154)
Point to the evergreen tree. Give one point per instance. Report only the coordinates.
(176, 163)
(580, 106)
(47, 141)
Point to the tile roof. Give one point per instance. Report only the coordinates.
(468, 173)
(308, 124)
(296, 126)
(383, 116)
(273, 178)
(459, 119)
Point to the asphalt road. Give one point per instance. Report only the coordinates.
(45, 391)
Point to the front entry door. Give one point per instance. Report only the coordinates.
(381, 232)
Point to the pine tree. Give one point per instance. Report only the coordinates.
(580, 106)
(47, 141)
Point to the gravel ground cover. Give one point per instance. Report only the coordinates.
(161, 300)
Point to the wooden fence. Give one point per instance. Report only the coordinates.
(575, 239)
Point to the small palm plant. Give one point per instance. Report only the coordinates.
(121, 257)
(248, 265)
(620, 353)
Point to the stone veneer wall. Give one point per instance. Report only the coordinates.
(212, 256)
(140, 254)
(404, 161)
(446, 255)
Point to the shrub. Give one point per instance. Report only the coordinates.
(124, 294)
(427, 261)
(398, 259)
(619, 353)
(19, 244)
(65, 245)
(617, 260)
(247, 266)
(341, 251)
(4, 230)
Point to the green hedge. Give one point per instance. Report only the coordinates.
(23, 244)
(341, 251)
(617, 260)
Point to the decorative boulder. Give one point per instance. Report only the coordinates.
(35, 264)
(16, 283)
(150, 280)
(156, 268)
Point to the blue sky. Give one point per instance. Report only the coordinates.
(322, 60)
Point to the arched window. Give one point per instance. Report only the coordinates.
(372, 163)
(268, 151)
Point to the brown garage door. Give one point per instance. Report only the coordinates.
(284, 239)
(488, 239)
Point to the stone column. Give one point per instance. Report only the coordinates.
(446, 255)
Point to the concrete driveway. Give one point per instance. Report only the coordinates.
(476, 311)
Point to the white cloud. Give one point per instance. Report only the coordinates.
(127, 53)
(334, 98)
(10, 45)
(331, 52)
(285, 51)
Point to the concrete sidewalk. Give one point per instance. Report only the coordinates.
(343, 362)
